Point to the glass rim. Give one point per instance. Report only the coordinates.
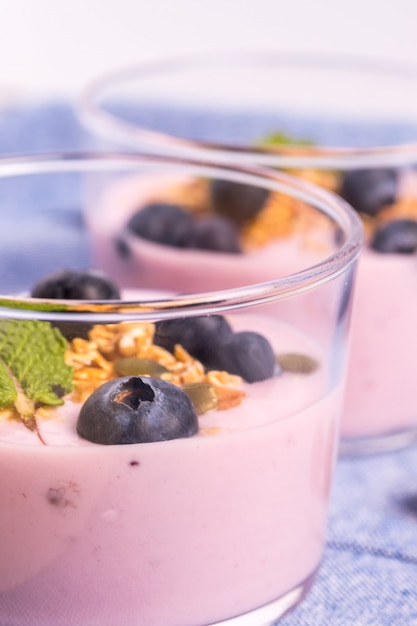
(110, 311)
(110, 126)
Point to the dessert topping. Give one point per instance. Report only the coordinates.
(239, 202)
(249, 355)
(134, 366)
(396, 236)
(76, 285)
(203, 396)
(33, 371)
(225, 216)
(369, 190)
(162, 222)
(137, 410)
(297, 363)
(122, 349)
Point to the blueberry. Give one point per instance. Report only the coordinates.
(122, 248)
(163, 223)
(202, 337)
(396, 236)
(249, 355)
(76, 285)
(214, 232)
(237, 201)
(136, 410)
(370, 190)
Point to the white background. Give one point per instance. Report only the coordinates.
(52, 48)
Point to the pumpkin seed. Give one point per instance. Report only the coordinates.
(297, 363)
(202, 395)
(134, 366)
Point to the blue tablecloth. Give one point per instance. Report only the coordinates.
(369, 571)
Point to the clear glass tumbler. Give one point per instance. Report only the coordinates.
(348, 124)
(165, 458)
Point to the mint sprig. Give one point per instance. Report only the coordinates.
(278, 139)
(33, 371)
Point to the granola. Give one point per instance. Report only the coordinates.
(94, 361)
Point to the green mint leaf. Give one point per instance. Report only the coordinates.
(32, 367)
(30, 305)
(8, 393)
(281, 139)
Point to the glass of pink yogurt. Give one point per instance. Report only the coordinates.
(166, 459)
(346, 123)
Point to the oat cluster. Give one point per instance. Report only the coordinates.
(94, 360)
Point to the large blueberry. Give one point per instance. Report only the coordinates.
(249, 355)
(137, 410)
(202, 337)
(76, 285)
(214, 232)
(397, 236)
(369, 190)
(239, 202)
(164, 223)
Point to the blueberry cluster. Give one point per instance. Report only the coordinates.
(211, 340)
(137, 409)
(232, 206)
(371, 190)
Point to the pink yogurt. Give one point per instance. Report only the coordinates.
(380, 398)
(179, 533)
(381, 383)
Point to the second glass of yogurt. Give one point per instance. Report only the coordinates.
(348, 124)
(166, 459)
